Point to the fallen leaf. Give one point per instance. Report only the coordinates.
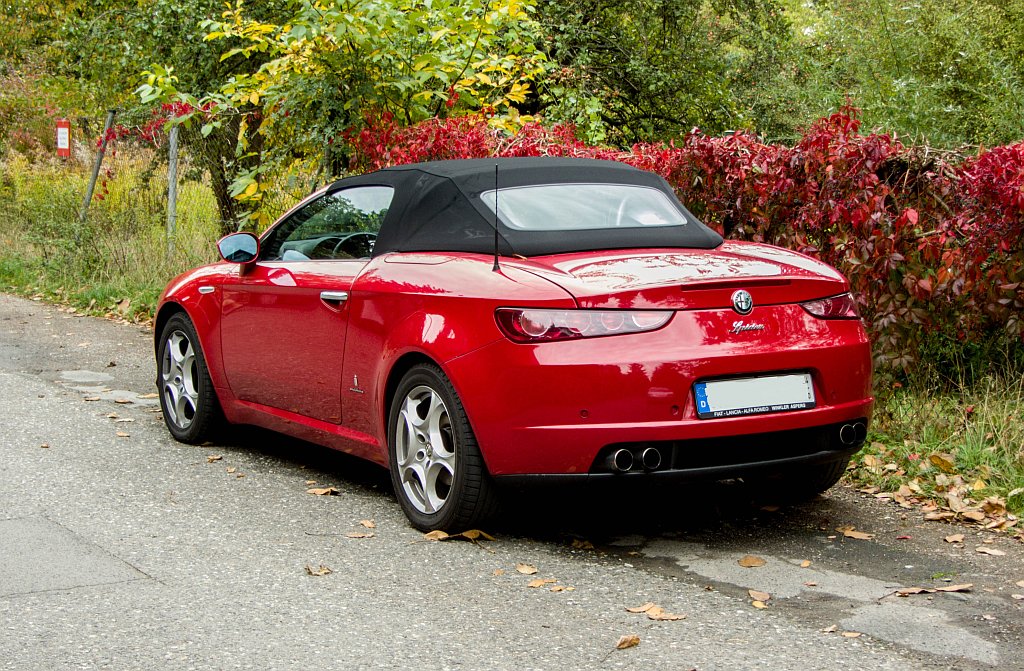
(943, 461)
(310, 483)
(123, 420)
(831, 629)
(473, 535)
(966, 587)
(1020, 583)
(212, 458)
(526, 569)
(499, 571)
(369, 524)
(989, 551)
(91, 398)
(759, 596)
(907, 591)
(641, 609)
(45, 446)
(627, 641)
(540, 582)
(358, 534)
(122, 434)
(122, 401)
(323, 491)
(805, 563)
(322, 570)
(240, 475)
(903, 538)
(939, 516)
(231, 469)
(974, 515)
(153, 395)
(850, 532)
(558, 588)
(659, 615)
(810, 584)
(759, 604)
(1018, 597)
(852, 634)
(111, 415)
(954, 538)
(750, 561)
(578, 544)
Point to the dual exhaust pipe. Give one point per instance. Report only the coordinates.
(853, 434)
(623, 460)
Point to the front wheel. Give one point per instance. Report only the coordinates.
(438, 473)
(187, 398)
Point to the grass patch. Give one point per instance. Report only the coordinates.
(954, 448)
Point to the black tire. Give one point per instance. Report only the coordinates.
(438, 473)
(189, 403)
(801, 483)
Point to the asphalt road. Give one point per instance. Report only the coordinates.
(122, 549)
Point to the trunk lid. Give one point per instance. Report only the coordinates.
(685, 279)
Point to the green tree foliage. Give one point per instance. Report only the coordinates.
(947, 72)
(634, 70)
(327, 65)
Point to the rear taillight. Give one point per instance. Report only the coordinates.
(836, 307)
(535, 325)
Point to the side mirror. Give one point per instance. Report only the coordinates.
(239, 247)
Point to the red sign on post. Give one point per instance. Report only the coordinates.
(63, 138)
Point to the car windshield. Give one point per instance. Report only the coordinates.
(569, 207)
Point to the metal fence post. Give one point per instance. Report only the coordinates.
(172, 189)
(96, 166)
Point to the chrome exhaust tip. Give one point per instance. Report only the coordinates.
(620, 461)
(650, 458)
(860, 431)
(848, 434)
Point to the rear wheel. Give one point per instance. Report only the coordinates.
(187, 398)
(438, 473)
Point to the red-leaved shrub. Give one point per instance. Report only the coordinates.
(932, 245)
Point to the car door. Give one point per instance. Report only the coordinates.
(284, 318)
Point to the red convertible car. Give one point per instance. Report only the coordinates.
(469, 323)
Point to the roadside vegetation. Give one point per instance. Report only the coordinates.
(882, 137)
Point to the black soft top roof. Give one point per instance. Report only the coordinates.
(437, 207)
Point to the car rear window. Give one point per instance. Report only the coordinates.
(570, 207)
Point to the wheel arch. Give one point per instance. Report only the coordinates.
(163, 315)
(403, 365)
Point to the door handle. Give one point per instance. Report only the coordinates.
(334, 296)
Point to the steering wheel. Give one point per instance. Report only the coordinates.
(325, 248)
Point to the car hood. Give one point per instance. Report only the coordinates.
(688, 279)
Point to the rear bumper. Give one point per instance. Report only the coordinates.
(555, 408)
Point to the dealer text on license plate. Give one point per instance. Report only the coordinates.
(753, 395)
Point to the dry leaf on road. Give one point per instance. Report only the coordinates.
(122, 434)
(627, 641)
(322, 570)
(472, 535)
(954, 538)
(499, 571)
(759, 604)
(540, 582)
(526, 569)
(45, 446)
(369, 524)
(851, 532)
(641, 609)
(852, 634)
(323, 491)
(985, 550)
(358, 534)
(805, 563)
(750, 561)
(759, 596)
(212, 458)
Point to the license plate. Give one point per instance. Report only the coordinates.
(753, 395)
